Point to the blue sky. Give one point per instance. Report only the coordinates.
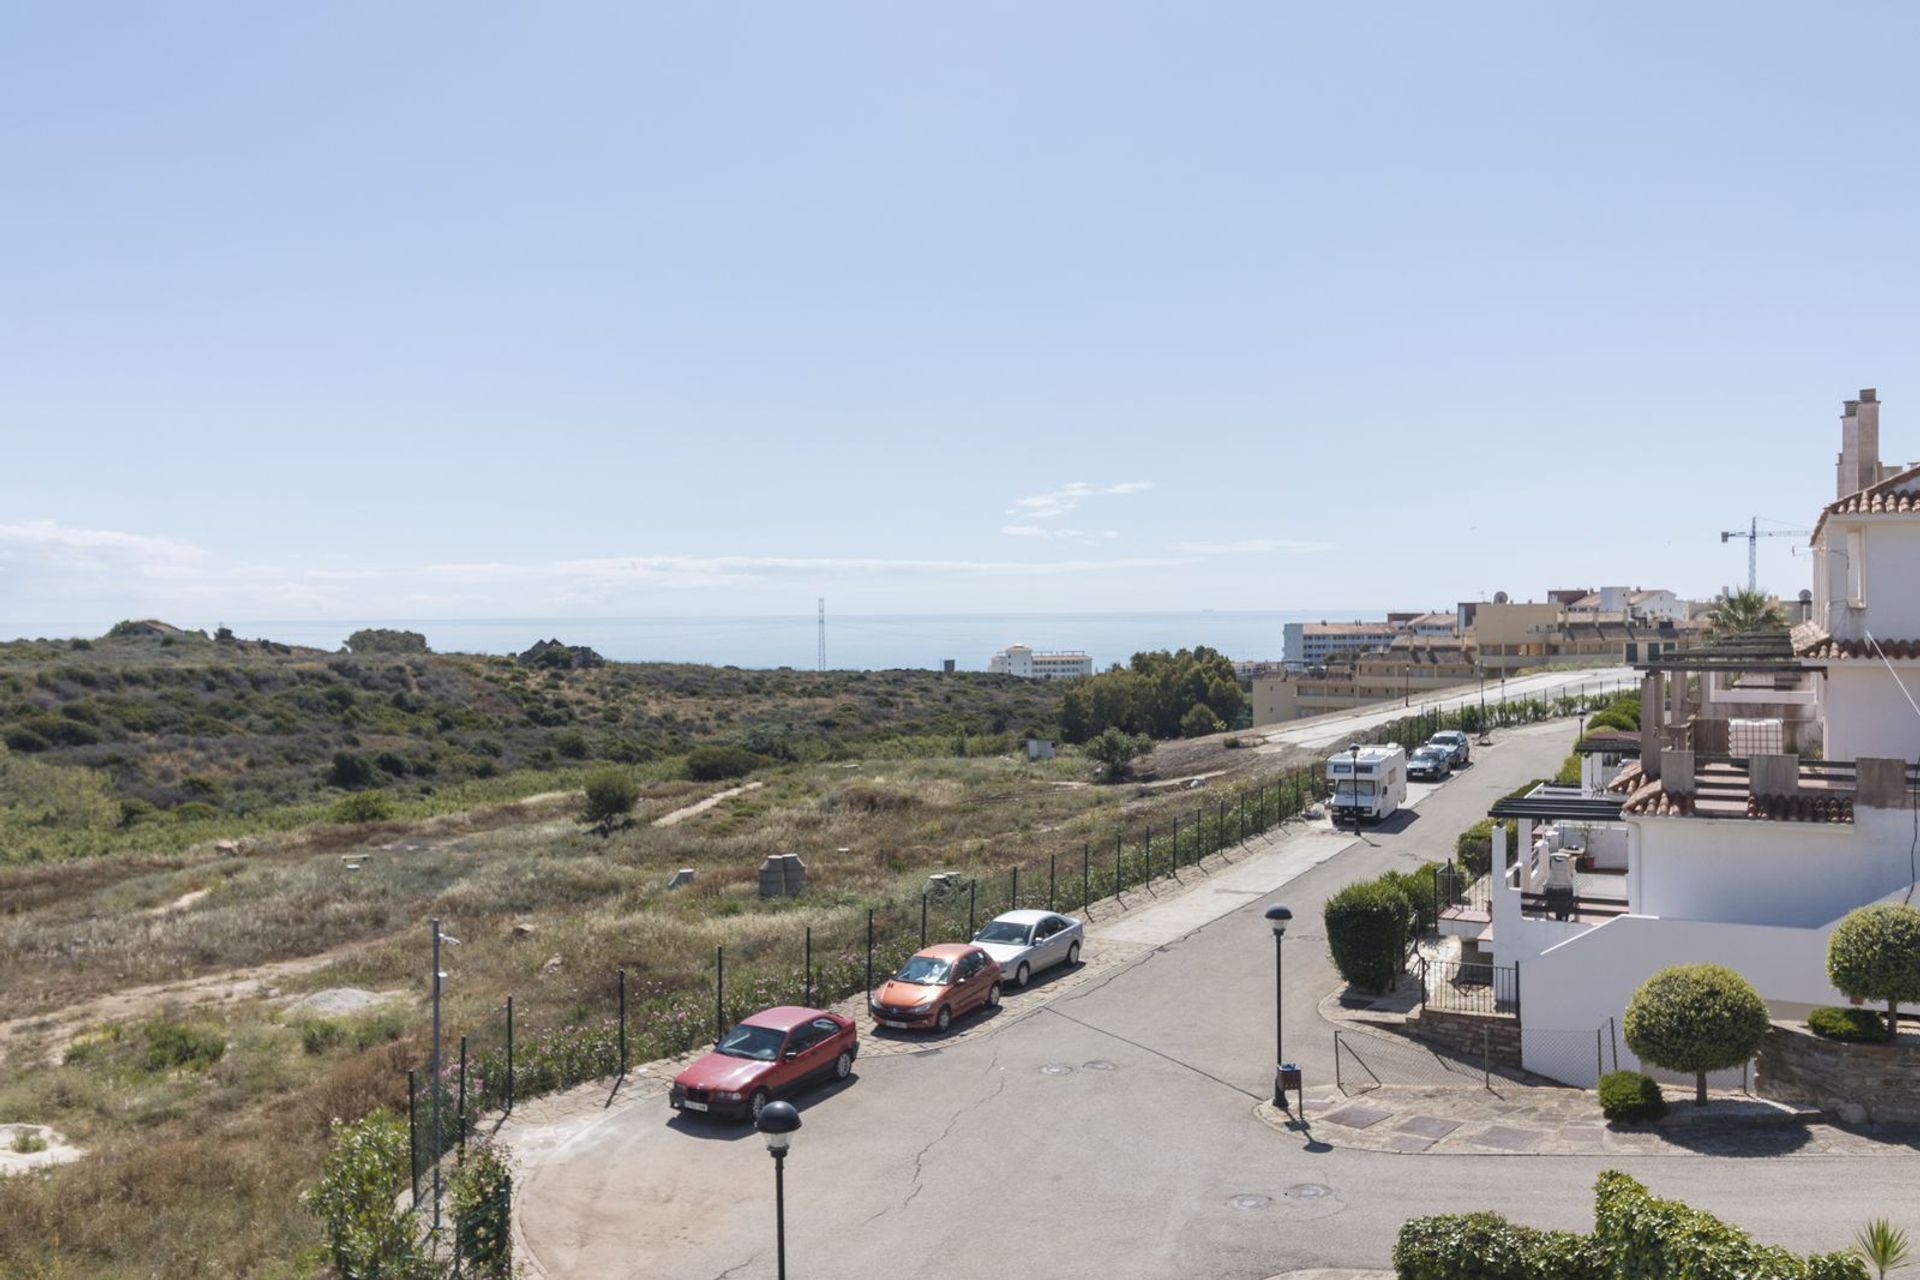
(482, 310)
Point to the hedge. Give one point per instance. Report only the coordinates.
(1485, 1246)
(1654, 1239)
(1631, 1097)
(1850, 1026)
(1368, 925)
(1636, 1236)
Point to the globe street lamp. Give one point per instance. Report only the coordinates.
(1278, 917)
(779, 1121)
(1353, 781)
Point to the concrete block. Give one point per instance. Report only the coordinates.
(783, 875)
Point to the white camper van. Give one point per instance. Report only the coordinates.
(1368, 784)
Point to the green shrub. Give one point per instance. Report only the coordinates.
(361, 806)
(715, 763)
(1654, 1239)
(358, 1199)
(1417, 886)
(180, 1044)
(1473, 848)
(1485, 1246)
(1850, 1026)
(27, 1142)
(481, 1196)
(25, 740)
(1569, 772)
(1875, 954)
(571, 745)
(193, 811)
(349, 772)
(611, 795)
(1199, 721)
(1368, 926)
(1698, 1018)
(1630, 1097)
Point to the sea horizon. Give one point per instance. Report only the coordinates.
(874, 641)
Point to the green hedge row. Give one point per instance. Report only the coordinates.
(1636, 1236)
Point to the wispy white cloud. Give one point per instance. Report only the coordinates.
(1056, 503)
(47, 545)
(1043, 531)
(1252, 546)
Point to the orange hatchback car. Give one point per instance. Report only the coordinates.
(936, 986)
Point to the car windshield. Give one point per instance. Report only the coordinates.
(927, 971)
(1003, 931)
(762, 1044)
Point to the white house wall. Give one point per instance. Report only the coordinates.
(1867, 713)
(1893, 566)
(1771, 873)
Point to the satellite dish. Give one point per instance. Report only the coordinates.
(1499, 597)
(1806, 596)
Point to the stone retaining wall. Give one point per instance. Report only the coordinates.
(1470, 1033)
(1854, 1082)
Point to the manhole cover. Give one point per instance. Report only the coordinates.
(1308, 1191)
(1099, 1064)
(1251, 1202)
(1056, 1069)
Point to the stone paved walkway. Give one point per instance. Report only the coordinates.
(1517, 1119)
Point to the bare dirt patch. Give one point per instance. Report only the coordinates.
(44, 1037)
(701, 806)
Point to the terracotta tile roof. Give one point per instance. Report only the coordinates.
(1898, 493)
(1805, 807)
(1653, 801)
(1627, 779)
(1821, 645)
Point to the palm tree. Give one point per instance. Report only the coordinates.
(1882, 1246)
(1738, 612)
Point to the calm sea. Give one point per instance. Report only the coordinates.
(871, 641)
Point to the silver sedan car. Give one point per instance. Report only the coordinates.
(1025, 942)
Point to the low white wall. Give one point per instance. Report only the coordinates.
(1569, 990)
(1772, 873)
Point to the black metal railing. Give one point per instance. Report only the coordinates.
(1460, 986)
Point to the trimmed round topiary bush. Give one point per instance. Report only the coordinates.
(1368, 924)
(1630, 1097)
(1849, 1026)
(1698, 1018)
(1875, 954)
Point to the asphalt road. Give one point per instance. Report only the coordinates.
(1320, 731)
(1114, 1133)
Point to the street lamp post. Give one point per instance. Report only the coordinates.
(1353, 781)
(779, 1121)
(1278, 916)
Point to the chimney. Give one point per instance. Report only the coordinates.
(1859, 465)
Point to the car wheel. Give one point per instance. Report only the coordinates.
(758, 1102)
(1024, 976)
(843, 1066)
(945, 1019)
(1073, 955)
(993, 996)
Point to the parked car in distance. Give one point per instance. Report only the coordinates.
(937, 985)
(1025, 942)
(772, 1054)
(1454, 741)
(1432, 762)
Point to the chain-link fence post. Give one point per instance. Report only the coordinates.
(509, 1053)
(869, 953)
(719, 991)
(463, 1095)
(1014, 892)
(1052, 879)
(413, 1139)
(808, 1000)
(1086, 876)
(623, 1022)
(923, 921)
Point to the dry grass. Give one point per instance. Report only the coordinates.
(171, 1150)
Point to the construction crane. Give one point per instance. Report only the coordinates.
(1753, 533)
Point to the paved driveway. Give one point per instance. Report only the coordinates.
(1113, 1132)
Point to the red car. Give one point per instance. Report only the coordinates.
(937, 985)
(767, 1056)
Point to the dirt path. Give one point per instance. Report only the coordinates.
(47, 1035)
(681, 815)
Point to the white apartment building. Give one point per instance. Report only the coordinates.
(1311, 644)
(1775, 791)
(1039, 664)
(1629, 604)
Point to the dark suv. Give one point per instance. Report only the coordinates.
(1454, 743)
